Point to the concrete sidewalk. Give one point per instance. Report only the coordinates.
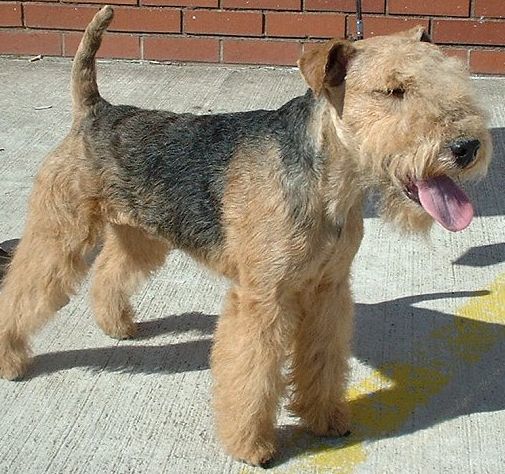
(428, 380)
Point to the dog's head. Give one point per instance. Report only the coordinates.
(409, 119)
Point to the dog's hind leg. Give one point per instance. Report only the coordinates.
(128, 257)
(62, 226)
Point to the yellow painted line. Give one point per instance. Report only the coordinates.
(468, 338)
(380, 405)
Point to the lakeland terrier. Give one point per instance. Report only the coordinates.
(272, 199)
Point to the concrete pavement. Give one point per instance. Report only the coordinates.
(428, 385)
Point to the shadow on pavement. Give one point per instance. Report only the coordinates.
(482, 256)
(488, 195)
(137, 358)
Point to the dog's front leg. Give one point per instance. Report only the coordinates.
(320, 359)
(247, 356)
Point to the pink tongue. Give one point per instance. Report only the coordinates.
(445, 202)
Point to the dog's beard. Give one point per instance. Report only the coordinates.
(406, 215)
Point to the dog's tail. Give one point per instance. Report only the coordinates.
(84, 87)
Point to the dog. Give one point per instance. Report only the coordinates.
(270, 199)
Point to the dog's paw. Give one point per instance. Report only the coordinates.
(12, 371)
(120, 330)
(261, 454)
(120, 325)
(13, 362)
(335, 423)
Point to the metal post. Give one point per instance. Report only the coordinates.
(359, 21)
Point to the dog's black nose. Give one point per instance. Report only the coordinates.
(465, 151)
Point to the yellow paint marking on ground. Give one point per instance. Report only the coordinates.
(380, 404)
(480, 325)
(489, 308)
(473, 341)
(383, 410)
(337, 460)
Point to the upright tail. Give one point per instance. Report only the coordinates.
(84, 87)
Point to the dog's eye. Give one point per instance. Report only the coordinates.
(397, 92)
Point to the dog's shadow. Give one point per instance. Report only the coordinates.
(428, 362)
(185, 356)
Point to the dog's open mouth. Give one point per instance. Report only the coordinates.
(443, 200)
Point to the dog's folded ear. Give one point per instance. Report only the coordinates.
(325, 66)
(418, 33)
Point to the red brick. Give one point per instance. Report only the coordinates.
(113, 45)
(154, 20)
(30, 42)
(182, 3)
(125, 19)
(223, 22)
(308, 45)
(460, 53)
(261, 52)
(101, 2)
(430, 7)
(58, 16)
(181, 49)
(469, 32)
(301, 25)
(491, 8)
(263, 4)
(487, 61)
(379, 26)
(348, 6)
(10, 14)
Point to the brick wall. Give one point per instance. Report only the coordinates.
(249, 31)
